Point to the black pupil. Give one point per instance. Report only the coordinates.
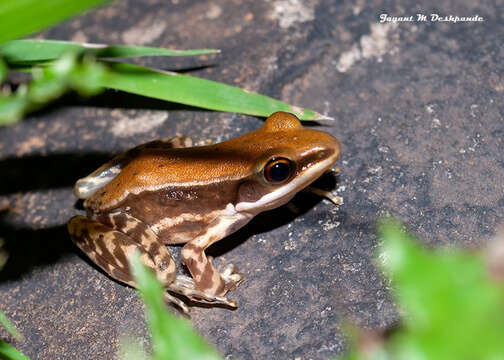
(279, 171)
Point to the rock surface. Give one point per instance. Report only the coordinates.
(418, 110)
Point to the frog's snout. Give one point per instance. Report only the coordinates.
(329, 149)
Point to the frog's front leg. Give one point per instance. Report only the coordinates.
(206, 277)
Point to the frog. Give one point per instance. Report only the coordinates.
(168, 192)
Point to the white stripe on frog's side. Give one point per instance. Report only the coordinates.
(286, 192)
(185, 184)
(169, 222)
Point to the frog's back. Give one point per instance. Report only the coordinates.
(151, 168)
(155, 169)
(86, 187)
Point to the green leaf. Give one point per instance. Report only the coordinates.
(11, 108)
(22, 17)
(10, 353)
(8, 326)
(156, 84)
(31, 50)
(198, 92)
(50, 82)
(3, 70)
(172, 338)
(453, 309)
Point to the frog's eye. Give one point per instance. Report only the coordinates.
(278, 170)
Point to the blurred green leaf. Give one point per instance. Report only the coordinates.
(50, 82)
(32, 50)
(3, 70)
(453, 310)
(8, 326)
(22, 17)
(90, 77)
(198, 92)
(10, 353)
(172, 338)
(11, 108)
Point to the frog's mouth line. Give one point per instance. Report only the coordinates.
(286, 192)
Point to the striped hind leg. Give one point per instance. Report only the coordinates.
(179, 284)
(110, 250)
(110, 241)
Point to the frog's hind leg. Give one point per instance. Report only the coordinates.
(143, 234)
(110, 250)
(110, 241)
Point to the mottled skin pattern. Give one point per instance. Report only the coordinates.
(162, 193)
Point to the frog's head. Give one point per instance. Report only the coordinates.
(287, 158)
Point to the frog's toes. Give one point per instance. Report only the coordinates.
(230, 270)
(231, 276)
(188, 290)
(185, 281)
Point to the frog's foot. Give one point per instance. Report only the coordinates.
(231, 276)
(185, 286)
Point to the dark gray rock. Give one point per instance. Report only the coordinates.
(419, 113)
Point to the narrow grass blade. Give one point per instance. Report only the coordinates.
(8, 326)
(3, 70)
(172, 338)
(23, 17)
(32, 50)
(198, 92)
(9, 352)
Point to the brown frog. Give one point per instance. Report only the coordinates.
(164, 193)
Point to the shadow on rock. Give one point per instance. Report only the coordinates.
(28, 248)
(61, 170)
